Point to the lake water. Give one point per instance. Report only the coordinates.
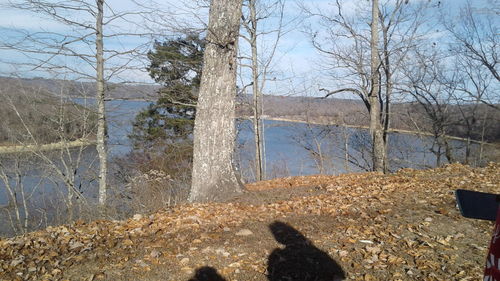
(291, 149)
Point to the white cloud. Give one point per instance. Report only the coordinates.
(16, 19)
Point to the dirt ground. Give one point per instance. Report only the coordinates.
(368, 226)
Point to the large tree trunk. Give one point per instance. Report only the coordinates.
(101, 112)
(213, 175)
(375, 125)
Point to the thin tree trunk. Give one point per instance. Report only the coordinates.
(20, 185)
(25, 207)
(346, 147)
(481, 147)
(263, 139)
(388, 92)
(375, 125)
(11, 192)
(467, 151)
(101, 113)
(386, 125)
(213, 175)
(438, 156)
(448, 150)
(257, 109)
(320, 162)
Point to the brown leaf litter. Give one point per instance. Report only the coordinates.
(402, 226)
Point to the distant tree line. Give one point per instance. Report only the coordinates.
(32, 116)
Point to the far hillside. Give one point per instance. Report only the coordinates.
(474, 121)
(84, 89)
(477, 121)
(32, 115)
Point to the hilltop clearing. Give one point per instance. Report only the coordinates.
(402, 226)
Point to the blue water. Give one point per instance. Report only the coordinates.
(120, 116)
(291, 149)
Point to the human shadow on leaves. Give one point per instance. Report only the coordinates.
(207, 273)
(300, 260)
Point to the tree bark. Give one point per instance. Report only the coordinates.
(213, 176)
(101, 111)
(375, 125)
(448, 150)
(257, 107)
(388, 93)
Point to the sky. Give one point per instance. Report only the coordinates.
(294, 53)
(297, 66)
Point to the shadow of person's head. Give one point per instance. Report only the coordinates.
(207, 273)
(300, 260)
(287, 235)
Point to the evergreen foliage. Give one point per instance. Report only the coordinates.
(176, 64)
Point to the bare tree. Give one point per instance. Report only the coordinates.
(346, 43)
(82, 44)
(475, 42)
(314, 140)
(260, 60)
(450, 82)
(101, 110)
(251, 27)
(17, 209)
(41, 118)
(473, 86)
(433, 87)
(214, 131)
(378, 145)
(475, 37)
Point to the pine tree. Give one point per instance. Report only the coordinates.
(176, 64)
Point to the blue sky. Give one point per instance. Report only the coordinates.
(297, 64)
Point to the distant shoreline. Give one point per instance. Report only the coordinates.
(114, 99)
(11, 148)
(391, 130)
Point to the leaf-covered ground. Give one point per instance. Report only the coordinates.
(402, 226)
